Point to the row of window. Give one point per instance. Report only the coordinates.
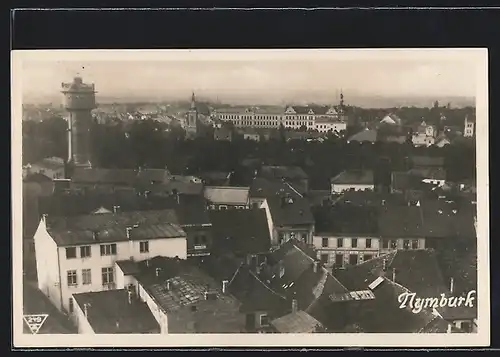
(338, 261)
(107, 276)
(386, 243)
(105, 249)
(249, 117)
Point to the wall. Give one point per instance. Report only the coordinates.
(81, 321)
(338, 188)
(158, 313)
(400, 244)
(294, 231)
(346, 248)
(169, 247)
(47, 264)
(192, 233)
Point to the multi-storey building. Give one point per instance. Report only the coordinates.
(251, 117)
(78, 254)
(469, 126)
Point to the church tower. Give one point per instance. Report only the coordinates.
(192, 118)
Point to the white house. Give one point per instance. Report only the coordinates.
(78, 254)
(469, 124)
(357, 180)
(325, 125)
(227, 197)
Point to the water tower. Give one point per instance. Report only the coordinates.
(79, 101)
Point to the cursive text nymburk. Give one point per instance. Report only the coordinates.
(416, 304)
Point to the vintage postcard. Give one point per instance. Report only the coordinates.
(239, 198)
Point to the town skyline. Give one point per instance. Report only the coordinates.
(266, 80)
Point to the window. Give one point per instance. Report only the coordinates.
(70, 252)
(368, 243)
(324, 242)
(385, 243)
(144, 247)
(107, 276)
(353, 259)
(264, 320)
(339, 260)
(414, 244)
(394, 244)
(85, 251)
(406, 244)
(86, 276)
(72, 280)
(367, 257)
(340, 242)
(108, 249)
(324, 258)
(466, 326)
(70, 305)
(354, 242)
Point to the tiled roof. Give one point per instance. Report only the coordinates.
(37, 177)
(179, 290)
(290, 211)
(286, 172)
(346, 219)
(370, 198)
(110, 312)
(296, 322)
(147, 176)
(51, 163)
(369, 135)
(104, 176)
(215, 178)
(425, 161)
(240, 231)
(360, 177)
(382, 314)
(433, 173)
(262, 188)
(227, 195)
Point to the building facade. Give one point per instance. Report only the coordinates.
(469, 127)
(70, 262)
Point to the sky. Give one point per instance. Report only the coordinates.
(263, 80)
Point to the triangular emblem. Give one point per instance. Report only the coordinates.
(35, 322)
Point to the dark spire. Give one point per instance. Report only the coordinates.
(193, 101)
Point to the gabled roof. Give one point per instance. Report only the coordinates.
(148, 176)
(283, 172)
(419, 161)
(51, 163)
(240, 231)
(382, 314)
(109, 312)
(37, 177)
(432, 173)
(262, 188)
(346, 219)
(290, 211)
(104, 176)
(369, 135)
(296, 322)
(227, 195)
(359, 177)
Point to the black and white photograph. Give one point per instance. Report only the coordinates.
(250, 197)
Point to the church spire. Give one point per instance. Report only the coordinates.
(193, 101)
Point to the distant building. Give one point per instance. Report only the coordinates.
(365, 135)
(251, 136)
(297, 322)
(242, 117)
(77, 254)
(192, 119)
(425, 135)
(227, 197)
(469, 126)
(391, 119)
(223, 134)
(294, 175)
(352, 180)
(52, 167)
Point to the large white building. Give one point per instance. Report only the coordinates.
(78, 254)
(321, 118)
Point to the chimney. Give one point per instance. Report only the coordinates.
(157, 271)
(128, 229)
(295, 306)
(147, 263)
(384, 264)
(44, 217)
(129, 293)
(394, 274)
(315, 266)
(224, 286)
(117, 325)
(116, 209)
(85, 309)
(95, 236)
(451, 285)
(167, 284)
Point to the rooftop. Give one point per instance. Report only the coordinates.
(104, 176)
(346, 220)
(296, 322)
(110, 312)
(368, 135)
(425, 161)
(286, 172)
(262, 188)
(112, 227)
(433, 173)
(179, 290)
(240, 231)
(360, 177)
(51, 163)
(227, 195)
(289, 210)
